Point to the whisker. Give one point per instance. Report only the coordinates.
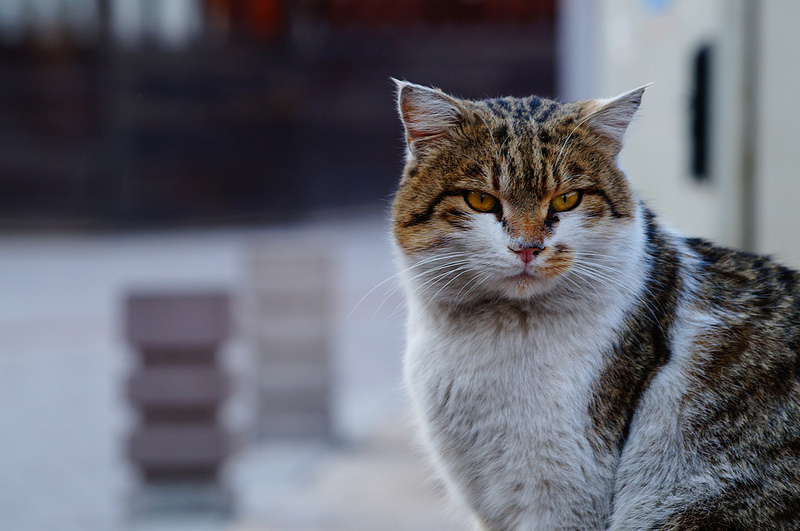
(439, 277)
(423, 262)
(645, 298)
(575, 283)
(442, 288)
(400, 306)
(475, 282)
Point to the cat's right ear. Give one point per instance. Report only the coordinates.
(427, 114)
(610, 118)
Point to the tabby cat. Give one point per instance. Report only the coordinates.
(572, 363)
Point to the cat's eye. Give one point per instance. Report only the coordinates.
(482, 202)
(564, 202)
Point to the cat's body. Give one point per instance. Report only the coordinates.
(573, 364)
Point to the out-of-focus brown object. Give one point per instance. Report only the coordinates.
(292, 291)
(178, 389)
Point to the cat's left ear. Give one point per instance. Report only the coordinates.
(610, 118)
(427, 114)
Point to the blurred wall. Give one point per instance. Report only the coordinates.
(724, 76)
(776, 187)
(634, 43)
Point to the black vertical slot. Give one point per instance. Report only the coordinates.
(701, 114)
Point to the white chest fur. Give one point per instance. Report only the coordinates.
(502, 397)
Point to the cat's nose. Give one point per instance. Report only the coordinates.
(526, 253)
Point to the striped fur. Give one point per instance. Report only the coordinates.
(584, 368)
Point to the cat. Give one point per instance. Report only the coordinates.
(572, 363)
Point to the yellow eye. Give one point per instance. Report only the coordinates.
(482, 202)
(564, 202)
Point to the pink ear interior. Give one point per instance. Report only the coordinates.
(425, 112)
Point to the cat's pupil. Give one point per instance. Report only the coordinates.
(482, 202)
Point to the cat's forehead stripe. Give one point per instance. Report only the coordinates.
(526, 170)
(520, 111)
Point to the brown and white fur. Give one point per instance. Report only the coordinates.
(585, 368)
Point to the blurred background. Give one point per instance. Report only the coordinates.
(199, 324)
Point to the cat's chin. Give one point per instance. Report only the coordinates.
(526, 285)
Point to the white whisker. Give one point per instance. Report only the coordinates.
(398, 275)
(442, 288)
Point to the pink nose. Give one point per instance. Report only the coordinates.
(527, 253)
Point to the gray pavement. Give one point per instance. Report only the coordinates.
(381, 484)
(65, 363)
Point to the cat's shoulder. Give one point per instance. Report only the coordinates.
(727, 257)
(741, 270)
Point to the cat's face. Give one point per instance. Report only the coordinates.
(511, 197)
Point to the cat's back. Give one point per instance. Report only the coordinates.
(756, 302)
(738, 280)
(746, 393)
(722, 418)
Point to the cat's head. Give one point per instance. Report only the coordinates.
(512, 197)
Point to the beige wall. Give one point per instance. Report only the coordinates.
(777, 155)
(638, 44)
(753, 198)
